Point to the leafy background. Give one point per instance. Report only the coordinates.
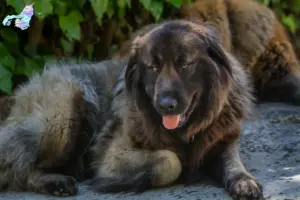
(90, 29)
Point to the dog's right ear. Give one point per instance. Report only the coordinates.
(132, 74)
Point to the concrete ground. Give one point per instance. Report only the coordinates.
(270, 148)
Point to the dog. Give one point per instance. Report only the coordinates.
(180, 111)
(175, 107)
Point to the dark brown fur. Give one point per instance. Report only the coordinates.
(214, 93)
(253, 34)
(46, 133)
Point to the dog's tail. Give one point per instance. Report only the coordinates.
(136, 181)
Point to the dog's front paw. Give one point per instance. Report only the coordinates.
(63, 186)
(56, 185)
(244, 187)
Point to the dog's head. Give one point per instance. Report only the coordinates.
(175, 69)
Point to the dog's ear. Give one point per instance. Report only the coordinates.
(134, 86)
(132, 72)
(215, 50)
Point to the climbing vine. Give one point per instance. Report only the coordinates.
(89, 29)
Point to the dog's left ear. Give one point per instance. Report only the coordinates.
(215, 50)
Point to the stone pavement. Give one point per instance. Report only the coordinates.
(270, 148)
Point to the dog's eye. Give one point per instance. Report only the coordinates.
(185, 66)
(153, 68)
(188, 64)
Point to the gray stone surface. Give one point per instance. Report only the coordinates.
(270, 147)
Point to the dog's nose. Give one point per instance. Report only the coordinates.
(167, 103)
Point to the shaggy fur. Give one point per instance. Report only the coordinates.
(67, 118)
(253, 34)
(49, 123)
(184, 61)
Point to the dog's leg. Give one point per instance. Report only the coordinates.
(124, 168)
(229, 169)
(20, 153)
(238, 181)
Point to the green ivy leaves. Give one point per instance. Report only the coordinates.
(17, 4)
(30, 66)
(60, 7)
(70, 14)
(70, 25)
(156, 7)
(43, 8)
(289, 21)
(122, 4)
(100, 8)
(6, 59)
(9, 35)
(176, 3)
(67, 45)
(280, 7)
(5, 80)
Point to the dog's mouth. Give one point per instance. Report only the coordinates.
(172, 122)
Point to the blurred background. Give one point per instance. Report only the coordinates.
(90, 30)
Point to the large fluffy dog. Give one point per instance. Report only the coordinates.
(177, 109)
(181, 110)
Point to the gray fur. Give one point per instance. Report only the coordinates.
(45, 123)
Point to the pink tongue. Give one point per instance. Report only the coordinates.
(171, 121)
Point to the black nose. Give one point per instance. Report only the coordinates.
(167, 103)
